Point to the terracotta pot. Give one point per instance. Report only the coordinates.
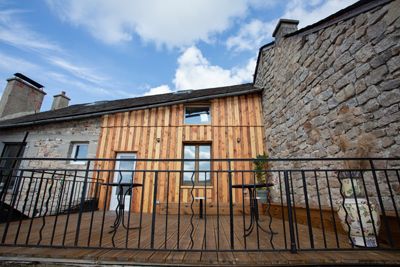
(353, 220)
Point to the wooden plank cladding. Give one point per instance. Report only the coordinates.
(235, 131)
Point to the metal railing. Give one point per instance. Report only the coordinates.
(295, 204)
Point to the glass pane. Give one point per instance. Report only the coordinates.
(204, 151)
(197, 115)
(124, 173)
(204, 166)
(187, 176)
(82, 151)
(189, 153)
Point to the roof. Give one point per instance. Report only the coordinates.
(106, 107)
(343, 14)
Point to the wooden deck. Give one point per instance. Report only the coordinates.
(215, 239)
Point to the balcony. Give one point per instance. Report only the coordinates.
(231, 213)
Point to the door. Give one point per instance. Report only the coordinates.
(123, 174)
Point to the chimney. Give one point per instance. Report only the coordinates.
(22, 96)
(60, 101)
(284, 27)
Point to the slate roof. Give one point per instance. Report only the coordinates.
(105, 107)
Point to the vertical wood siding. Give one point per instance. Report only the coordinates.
(236, 131)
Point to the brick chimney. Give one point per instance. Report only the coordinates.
(22, 96)
(284, 27)
(60, 101)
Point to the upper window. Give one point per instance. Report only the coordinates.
(198, 171)
(79, 151)
(197, 115)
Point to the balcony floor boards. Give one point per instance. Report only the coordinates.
(210, 241)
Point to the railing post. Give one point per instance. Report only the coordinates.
(153, 220)
(78, 225)
(310, 231)
(293, 247)
(230, 205)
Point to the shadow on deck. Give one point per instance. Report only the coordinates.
(211, 242)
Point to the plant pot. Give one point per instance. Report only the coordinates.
(353, 221)
(346, 187)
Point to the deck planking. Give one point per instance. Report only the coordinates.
(205, 235)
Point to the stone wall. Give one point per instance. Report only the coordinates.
(335, 92)
(52, 141)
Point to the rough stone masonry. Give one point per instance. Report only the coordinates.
(335, 92)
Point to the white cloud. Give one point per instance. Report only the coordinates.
(195, 71)
(78, 71)
(253, 34)
(173, 23)
(250, 36)
(9, 63)
(16, 33)
(19, 35)
(309, 12)
(162, 89)
(77, 84)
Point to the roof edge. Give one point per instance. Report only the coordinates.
(343, 14)
(258, 59)
(100, 113)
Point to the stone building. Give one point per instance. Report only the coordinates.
(331, 89)
(168, 126)
(334, 81)
(47, 136)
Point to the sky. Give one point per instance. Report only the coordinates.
(98, 50)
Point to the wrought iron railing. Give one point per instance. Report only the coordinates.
(295, 204)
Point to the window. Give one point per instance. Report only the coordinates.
(199, 170)
(79, 151)
(197, 115)
(10, 150)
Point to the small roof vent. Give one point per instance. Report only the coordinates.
(181, 92)
(95, 103)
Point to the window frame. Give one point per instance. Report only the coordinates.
(197, 183)
(199, 105)
(16, 175)
(72, 154)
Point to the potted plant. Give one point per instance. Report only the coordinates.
(261, 165)
(358, 216)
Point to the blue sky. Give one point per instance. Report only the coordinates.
(103, 50)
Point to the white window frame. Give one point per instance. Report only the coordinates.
(73, 151)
